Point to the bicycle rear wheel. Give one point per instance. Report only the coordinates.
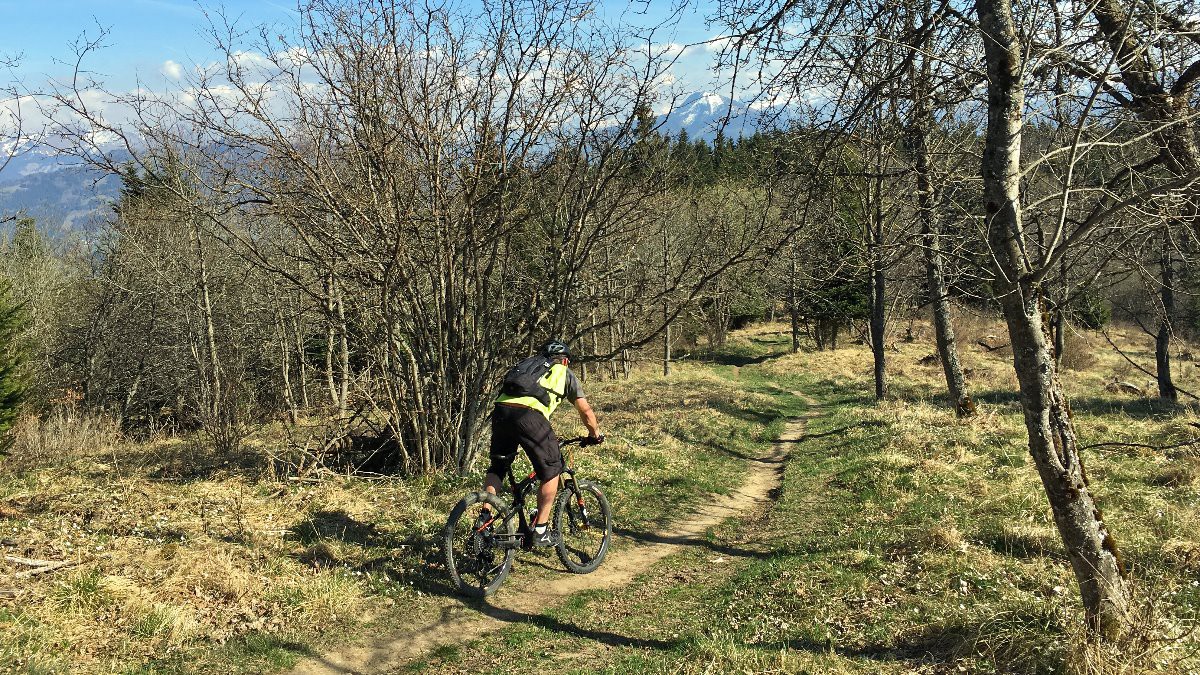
(583, 518)
(478, 560)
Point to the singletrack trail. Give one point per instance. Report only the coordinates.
(462, 620)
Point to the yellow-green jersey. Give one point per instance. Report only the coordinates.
(560, 383)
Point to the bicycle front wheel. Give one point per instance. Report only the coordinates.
(583, 519)
(478, 557)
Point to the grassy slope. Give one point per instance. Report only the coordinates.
(191, 562)
(904, 540)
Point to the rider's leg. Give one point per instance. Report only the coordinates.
(503, 449)
(491, 483)
(546, 494)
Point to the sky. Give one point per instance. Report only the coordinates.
(150, 40)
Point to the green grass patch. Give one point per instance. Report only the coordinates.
(903, 540)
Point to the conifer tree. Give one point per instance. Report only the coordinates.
(12, 359)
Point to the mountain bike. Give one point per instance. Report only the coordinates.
(479, 552)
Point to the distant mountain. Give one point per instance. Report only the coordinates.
(701, 114)
(62, 194)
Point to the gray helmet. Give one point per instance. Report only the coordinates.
(556, 348)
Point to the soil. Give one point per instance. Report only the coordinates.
(461, 620)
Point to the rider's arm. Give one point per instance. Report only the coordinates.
(588, 416)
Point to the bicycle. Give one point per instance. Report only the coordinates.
(480, 558)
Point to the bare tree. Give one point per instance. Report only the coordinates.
(445, 187)
(1029, 236)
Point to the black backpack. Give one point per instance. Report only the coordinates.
(524, 379)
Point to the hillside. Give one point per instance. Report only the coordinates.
(900, 539)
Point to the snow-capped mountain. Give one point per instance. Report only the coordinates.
(63, 194)
(701, 114)
(59, 192)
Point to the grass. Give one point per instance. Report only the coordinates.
(903, 540)
(219, 567)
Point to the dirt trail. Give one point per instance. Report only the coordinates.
(459, 622)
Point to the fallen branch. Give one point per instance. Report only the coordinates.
(988, 347)
(42, 570)
(1127, 387)
(1147, 446)
(1139, 367)
(8, 592)
(29, 562)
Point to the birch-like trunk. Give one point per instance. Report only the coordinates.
(1053, 444)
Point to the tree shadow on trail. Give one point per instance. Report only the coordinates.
(741, 360)
(697, 541)
(558, 626)
(945, 644)
(414, 560)
(1137, 408)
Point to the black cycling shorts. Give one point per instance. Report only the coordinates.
(517, 425)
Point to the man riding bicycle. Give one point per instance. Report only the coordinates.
(522, 417)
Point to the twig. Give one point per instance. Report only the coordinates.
(1135, 365)
(8, 592)
(42, 570)
(59, 565)
(29, 562)
(1156, 448)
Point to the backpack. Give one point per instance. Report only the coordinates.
(524, 379)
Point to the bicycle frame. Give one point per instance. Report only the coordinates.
(517, 507)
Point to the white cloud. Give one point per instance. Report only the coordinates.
(244, 59)
(171, 69)
(716, 43)
(667, 49)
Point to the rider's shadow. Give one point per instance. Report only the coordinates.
(559, 626)
(413, 560)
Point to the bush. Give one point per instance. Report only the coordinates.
(1077, 353)
(1091, 312)
(63, 433)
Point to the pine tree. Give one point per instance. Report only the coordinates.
(12, 359)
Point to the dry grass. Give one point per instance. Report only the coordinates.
(196, 561)
(62, 434)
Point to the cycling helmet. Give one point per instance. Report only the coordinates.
(556, 348)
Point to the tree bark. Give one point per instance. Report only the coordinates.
(793, 304)
(1089, 545)
(878, 292)
(1162, 342)
(939, 292)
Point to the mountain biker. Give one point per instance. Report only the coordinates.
(525, 421)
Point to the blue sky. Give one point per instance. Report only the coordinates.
(145, 34)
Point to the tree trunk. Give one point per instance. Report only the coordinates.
(666, 346)
(1089, 545)
(1162, 343)
(666, 309)
(793, 305)
(939, 292)
(878, 323)
(878, 319)
(330, 342)
(344, 354)
(285, 366)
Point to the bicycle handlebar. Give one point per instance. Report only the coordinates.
(582, 441)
